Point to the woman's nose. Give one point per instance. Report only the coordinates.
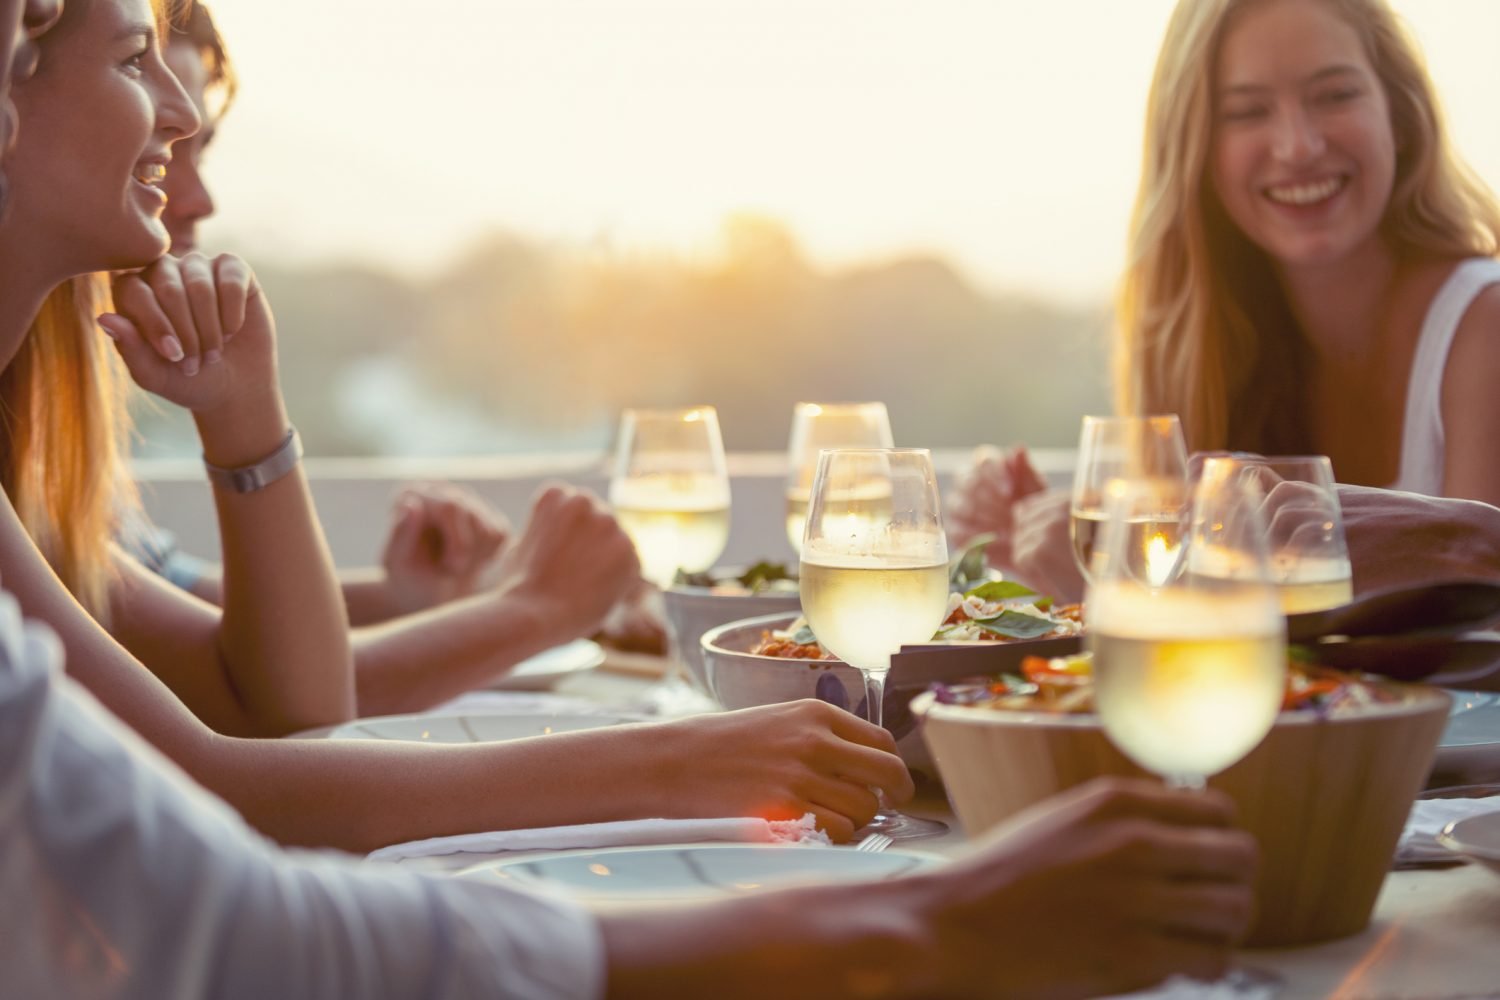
(1298, 137)
(175, 113)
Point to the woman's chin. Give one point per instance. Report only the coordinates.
(140, 252)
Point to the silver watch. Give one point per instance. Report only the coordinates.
(249, 478)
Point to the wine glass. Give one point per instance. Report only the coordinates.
(1190, 674)
(874, 573)
(816, 426)
(670, 489)
(1136, 449)
(1309, 557)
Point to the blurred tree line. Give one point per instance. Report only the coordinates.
(521, 346)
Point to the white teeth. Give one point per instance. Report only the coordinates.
(1306, 194)
(151, 173)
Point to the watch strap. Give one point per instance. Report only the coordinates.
(259, 475)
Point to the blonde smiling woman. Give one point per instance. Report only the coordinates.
(199, 332)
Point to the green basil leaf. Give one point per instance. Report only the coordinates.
(804, 636)
(1000, 590)
(1015, 625)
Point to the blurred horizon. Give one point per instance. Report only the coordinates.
(1003, 135)
(488, 226)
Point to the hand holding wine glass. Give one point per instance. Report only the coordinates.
(874, 571)
(1189, 675)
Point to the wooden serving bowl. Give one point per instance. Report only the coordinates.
(1326, 798)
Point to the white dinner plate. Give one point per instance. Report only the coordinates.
(545, 669)
(1477, 837)
(696, 871)
(472, 727)
(1469, 749)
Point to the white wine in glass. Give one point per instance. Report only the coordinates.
(816, 426)
(670, 490)
(1309, 557)
(1136, 449)
(874, 572)
(1189, 673)
(1186, 683)
(866, 609)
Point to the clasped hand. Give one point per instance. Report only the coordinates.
(196, 331)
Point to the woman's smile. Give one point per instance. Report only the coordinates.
(148, 177)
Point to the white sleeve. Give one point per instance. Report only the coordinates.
(120, 878)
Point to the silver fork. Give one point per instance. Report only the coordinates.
(874, 843)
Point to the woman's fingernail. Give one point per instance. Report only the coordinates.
(106, 323)
(213, 357)
(171, 347)
(190, 367)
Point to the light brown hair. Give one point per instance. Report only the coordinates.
(1203, 327)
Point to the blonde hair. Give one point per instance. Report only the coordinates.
(1204, 329)
(65, 423)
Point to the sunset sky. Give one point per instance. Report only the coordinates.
(1001, 133)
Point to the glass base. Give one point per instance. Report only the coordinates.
(899, 826)
(1238, 984)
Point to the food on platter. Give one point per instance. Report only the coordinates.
(994, 611)
(1065, 685)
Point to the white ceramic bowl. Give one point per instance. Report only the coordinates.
(740, 679)
(692, 611)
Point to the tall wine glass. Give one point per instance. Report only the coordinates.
(1309, 557)
(1189, 675)
(670, 489)
(816, 426)
(1135, 449)
(875, 572)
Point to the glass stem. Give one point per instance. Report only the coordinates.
(1187, 782)
(875, 712)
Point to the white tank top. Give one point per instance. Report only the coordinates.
(1422, 431)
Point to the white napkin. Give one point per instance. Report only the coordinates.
(622, 833)
(1418, 844)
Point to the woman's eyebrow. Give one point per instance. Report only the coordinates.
(134, 30)
(1327, 72)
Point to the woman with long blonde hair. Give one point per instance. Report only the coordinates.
(97, 121)
(1311, 268)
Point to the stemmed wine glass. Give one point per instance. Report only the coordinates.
(1309, 557)
(816, 426)
(1190, 672)
(670, 489)
(1136, 449)
(874, 573)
